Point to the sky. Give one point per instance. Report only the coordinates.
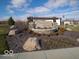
(21, 9)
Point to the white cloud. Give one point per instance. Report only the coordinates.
(76, 12)
(52, 4)
(18, 4)
(43, 10)
(22, 17)
(38, 10)
(55, 3)
(9, 9)
(47, 7)
(71, 14)
(73, 4)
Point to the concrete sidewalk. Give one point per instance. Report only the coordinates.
(67, 53)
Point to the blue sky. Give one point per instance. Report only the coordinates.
(20, 9)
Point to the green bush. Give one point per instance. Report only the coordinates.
(11, 21)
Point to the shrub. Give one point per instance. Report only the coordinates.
(61, 29)
(11, 21)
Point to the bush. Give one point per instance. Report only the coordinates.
(11, 21)
(61, 29)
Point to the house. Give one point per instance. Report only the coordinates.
(43, 22)
(71, 22)
(67, 22)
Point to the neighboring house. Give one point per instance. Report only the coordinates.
(43, 22)
(67, 22)
(71, 22)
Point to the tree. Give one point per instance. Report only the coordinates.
(11, 21)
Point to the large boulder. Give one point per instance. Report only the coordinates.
(31, 44)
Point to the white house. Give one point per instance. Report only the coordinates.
(67, 22)
(71, 22)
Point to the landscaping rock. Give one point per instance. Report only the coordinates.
(31, 44)
(77, 39)
(12, 32)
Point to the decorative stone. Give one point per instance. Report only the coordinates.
(77, 39)
(31, 44)
(12, 32)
